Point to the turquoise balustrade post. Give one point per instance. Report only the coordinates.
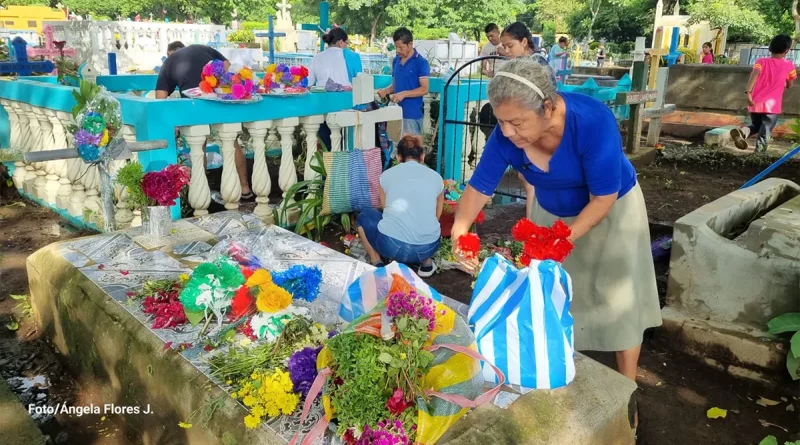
(5, 130)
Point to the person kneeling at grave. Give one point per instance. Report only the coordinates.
(412, 198)
(182, 70)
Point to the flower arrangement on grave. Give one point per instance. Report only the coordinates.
(292, 79)
(161, 300)
(235, 83)
(97, 120)
(386, 357)
(160, 188)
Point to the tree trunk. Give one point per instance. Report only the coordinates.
(796, 17)
(374, 29)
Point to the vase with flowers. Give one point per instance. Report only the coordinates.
(154, 192)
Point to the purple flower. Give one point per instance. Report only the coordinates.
(281, 68)
(287, 77)
(412, 305)
(83, 137)
(303, 369)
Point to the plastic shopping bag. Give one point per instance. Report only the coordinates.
(373, 286)
(522, 322)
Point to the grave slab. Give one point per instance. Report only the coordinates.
(16, 424)
(735, 265)
(79, 292)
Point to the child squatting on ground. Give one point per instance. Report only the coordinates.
(770, 77)
(412, 198)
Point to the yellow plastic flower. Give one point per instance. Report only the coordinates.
(184, 278)
(272, 298)
(185, 426)
(252, 422)
(271, 68)
(260, 277)
(246, 73)
(104, 141)
(211, 81)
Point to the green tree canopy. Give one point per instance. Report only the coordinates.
(738, 15)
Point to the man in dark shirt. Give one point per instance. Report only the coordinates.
(182, 70)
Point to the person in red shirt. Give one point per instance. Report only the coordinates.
(770, 77)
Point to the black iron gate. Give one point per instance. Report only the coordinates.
(478, 121)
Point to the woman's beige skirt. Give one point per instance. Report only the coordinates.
(614, 296)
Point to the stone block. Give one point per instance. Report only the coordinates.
(735, 265)
(16, 424)
(719, 137)
(596, 408)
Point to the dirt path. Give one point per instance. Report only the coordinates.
(27, 361)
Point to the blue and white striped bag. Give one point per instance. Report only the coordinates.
(522, 322)
(373, 286)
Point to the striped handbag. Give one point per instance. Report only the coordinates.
(352, 182)
(522, 322)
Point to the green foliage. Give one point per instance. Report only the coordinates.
(738, 15)
(781, 324)
(24, 306)
(242, 36)
(83, 95)
(549, 33)
(362, 372)
(772, 440)
(252, 26)
(130, 176)
(689, 55)
(594, 45)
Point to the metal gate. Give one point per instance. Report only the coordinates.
(467, 122)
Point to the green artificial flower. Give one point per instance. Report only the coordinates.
(94, 124)
(209, 282)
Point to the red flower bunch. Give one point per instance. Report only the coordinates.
(542, 243)
(469, 244)
(481, 218)
(397, 403)
(164, 187)
(167, 309)
(242, 304)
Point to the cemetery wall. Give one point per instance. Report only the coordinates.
(613, 71)
(718, 88)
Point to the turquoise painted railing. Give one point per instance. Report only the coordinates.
(36, 111)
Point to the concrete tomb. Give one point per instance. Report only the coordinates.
(735, 265)
(79, 292)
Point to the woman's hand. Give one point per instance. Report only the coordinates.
(750, 99)
(470, 265)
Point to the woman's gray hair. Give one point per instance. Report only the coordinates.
(504, 88)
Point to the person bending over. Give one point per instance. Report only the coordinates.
(182, 70)
(412, 197)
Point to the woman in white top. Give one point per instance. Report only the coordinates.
(335, 63)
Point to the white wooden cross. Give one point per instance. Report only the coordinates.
(50, 51)
(364, 121)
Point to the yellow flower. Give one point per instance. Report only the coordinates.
(104, 141)
(259, 278)
(246, 73)
(245, 342)
(233, 395)
(185, 426)
(211, 81)
(271, 68)
(229, 382)
(249, 401)
(254, 376)
(258, 411)
(184, 278)
(403, 356)
(251, 422)
(272, 298)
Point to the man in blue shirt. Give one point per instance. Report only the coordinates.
(410, 75)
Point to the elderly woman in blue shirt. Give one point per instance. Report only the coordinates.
(569, 148)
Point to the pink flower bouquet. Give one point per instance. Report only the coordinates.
(165, 187)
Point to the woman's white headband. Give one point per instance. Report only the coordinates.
(523, 80)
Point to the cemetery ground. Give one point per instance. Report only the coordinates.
(675, 390)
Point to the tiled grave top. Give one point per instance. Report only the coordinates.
(121, 262)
